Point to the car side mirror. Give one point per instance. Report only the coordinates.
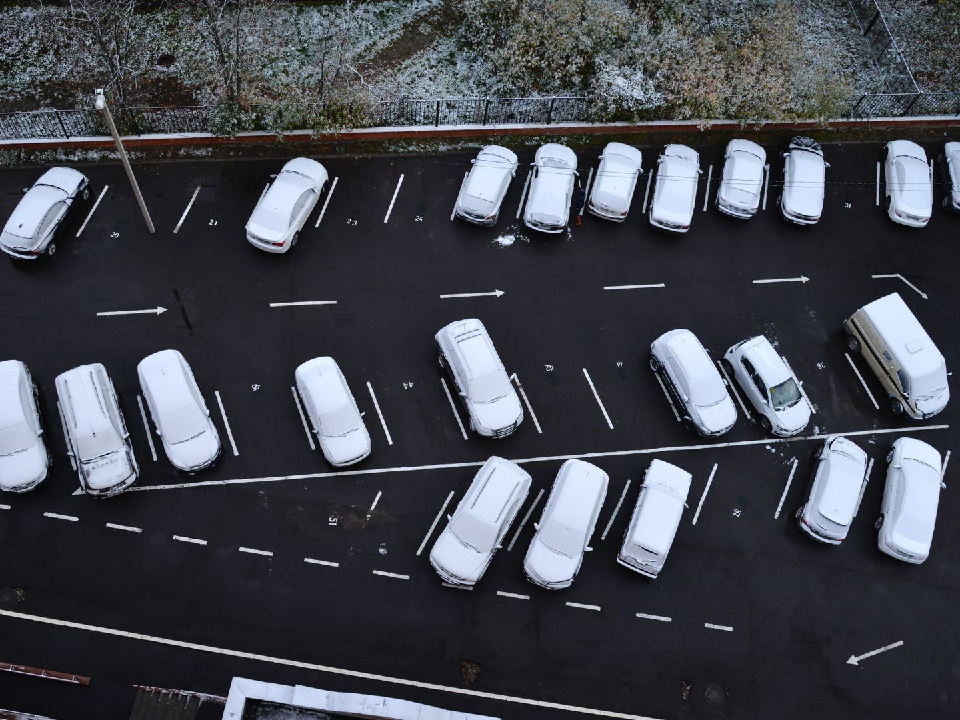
(473, 162)
(463, 394)
(363, 413)
(274, 176)
(588, 549)
(826, 164)
(536, 526)
(449, 517)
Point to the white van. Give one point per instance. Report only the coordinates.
(97, 439)
(897, 348)
(656, 518)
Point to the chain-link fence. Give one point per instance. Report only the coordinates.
(897, 75)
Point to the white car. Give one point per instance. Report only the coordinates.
(744, 166)
(910, 499)
(486, 185)
(769, 385)
(334, 416)
(31, 229)
(466, 546)
(688, 375)
(655, 519)
(285, 204)
(24, 458)
(675, 191)
(479, 378)
(566, 526)
(551, 189)
(908, 183)
(179, 413)
(615, 182)
(836, 490)
(951, 166)
(804, 179)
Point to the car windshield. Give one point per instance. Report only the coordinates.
(183, 424)
(15, 438)
(474, 533)
(97, 445)
(488, 389)
(707, 392)
(561, 538)
(338, 422)
(930, 385)
(785, 395)
(550, 162)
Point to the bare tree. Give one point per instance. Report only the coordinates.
(108, 26)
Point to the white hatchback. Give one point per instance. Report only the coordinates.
(31, 229)
(910, 500)
(333, 412)
(615, 182)
(485, 186)
(770, 386)
(285, 204)
(179, 413)
(744, 167)
(804, 179)
(836, 490)
(566, 526)
(951, 159)
(908, 183)
(675, 191)
(24, 459)
(551, 189)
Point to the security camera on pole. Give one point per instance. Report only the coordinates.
(101, 105)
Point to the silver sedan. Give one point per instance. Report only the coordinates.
(31, 229)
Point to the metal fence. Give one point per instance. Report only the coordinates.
(898, 78)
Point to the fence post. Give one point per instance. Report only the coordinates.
(486, 108)
(436, 120)
(870, 24)
(62, 126)
(853, 113)
(550, 110)
(916, 97)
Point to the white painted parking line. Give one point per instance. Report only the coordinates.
(326, 202)
(457, 587)
(862, 382)
(523, 195)
(711, 626)
(667, 396)
(706, 190)
(303, 418)
(633, 287)
(254, 551)
(314, 667)
(426, 538)
(525, 518)
(396, 576)
(943, 470)
(613, 515)
(393, 199)
(786, 489)
(226, 423)
(4, 507)
(595, 608)
(898, 276)
(515, 596)
(302, 303)
(194, 541)
(93, 209)
(327, 563)
(586, 191)
(453, 212)
(658, 618)
(146, 427)
(878, 184)
(125, 528)
(57, 516)
(599, 401)
(733, 389)
(766, 184)
(704, 496)
(533, 415)
(376, 406)
(646, 193)
(189, 205)
(813, 408)
(374, 504)
(453, 407)
(543, 458)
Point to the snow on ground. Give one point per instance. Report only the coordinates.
(928, 34)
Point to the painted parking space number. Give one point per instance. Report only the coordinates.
(114, 234)
(351, 221)
(548, 368)
(407, 385)
(212, 222)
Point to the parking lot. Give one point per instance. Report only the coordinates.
(275, 553)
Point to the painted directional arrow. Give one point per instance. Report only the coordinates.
(303, 302)
(898, 276)
(497, 293)
(801, 279)
(633, 287)
(152, 311)
(855, 659)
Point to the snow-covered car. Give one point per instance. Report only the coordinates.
(551, 189)
(769, 385)
(474, 532)
(836, 490)
(741, 183)
(332, 410)
(566, 526)
(486, 185)
(24, 458)
(179, 413)
(97, 439)
(285, 204)
(804, 178)
(655, 519)
(675, 191)
(467, 354)
(31, 229)
(910, 500)
(908, 183)
(615, 182)
(690, 378)
(951, 166)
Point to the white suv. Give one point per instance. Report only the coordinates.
(467, 353)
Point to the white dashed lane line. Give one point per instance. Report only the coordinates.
(704, 496)
(514, 596)
(194, 541)
(125, 528)
(524, 521)
(254, 551)
(453, 407)
(303, 419)
(146, 427)
(658, 618)
(327, 563)
(57, 516)
(376, 406)
(597, 396)
(189, 205)
(327, 201)
(711, 626)
(613, 515)
(226, 423)
(581, 606)
(384, 573)
(862, 381)
(426, 538)
(90, 214)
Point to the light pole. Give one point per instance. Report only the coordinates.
(101, 105)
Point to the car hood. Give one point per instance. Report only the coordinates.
(457, 560)
(197, 452)
(550, 567)
(340, 450)
(23, 468)
(29, 213)
(793, 419)
(719, 417)
(500, 413)
(108, 471)
(931, 406)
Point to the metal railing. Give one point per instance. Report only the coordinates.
(898, 78)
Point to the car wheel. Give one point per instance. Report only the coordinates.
(896, 406)
(473, 428)
(853, 342)
(655, 364)
(884, 154)
(296, 236)
(886, 203)
(879, 523)
(799, 513)
(51, 248)
(441, 361)
(85, 195)
(890, 456)
(766, 424)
